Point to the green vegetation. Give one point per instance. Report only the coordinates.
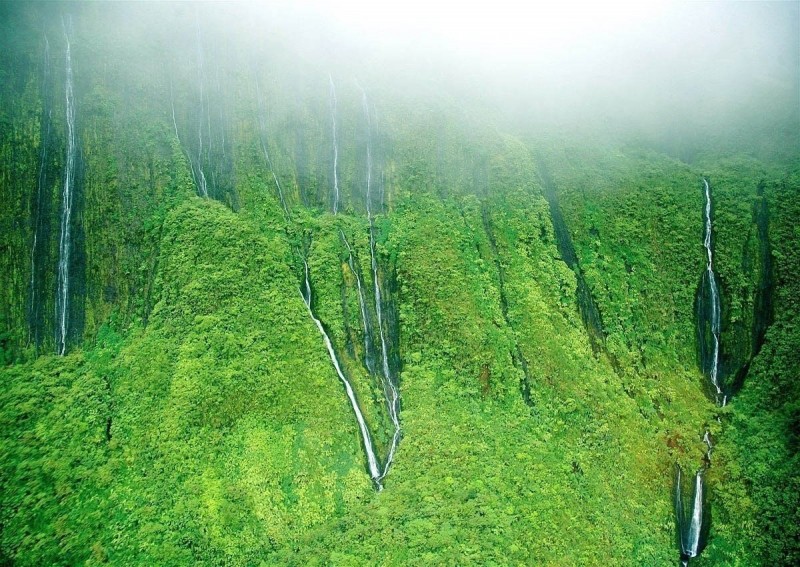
(197, 419)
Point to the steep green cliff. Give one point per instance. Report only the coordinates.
(537, 293)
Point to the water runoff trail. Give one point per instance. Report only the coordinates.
(372, 460)
(692, 523)
(389, 384)
(376, 473)
(335, 148)
(65, 237)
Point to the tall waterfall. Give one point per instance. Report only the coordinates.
(64, 242)
(372, 461)
(368, 359)
(335, 148)
(696, 521)
(714, 309)
(690, 526)
(202, 184)
(690, 530)
(389, 387)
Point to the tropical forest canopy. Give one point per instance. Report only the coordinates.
(399, 285)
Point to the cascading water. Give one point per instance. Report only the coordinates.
(696, 522)
(368, 359)
(690, 529)
(373, 466)
(64, 243)
(709, 320)
(335, 149)
(202, 184)
(390, 389)
(372, 461)
(713, 314)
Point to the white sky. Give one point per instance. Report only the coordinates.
(498, 28)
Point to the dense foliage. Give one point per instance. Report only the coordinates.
(197, 418)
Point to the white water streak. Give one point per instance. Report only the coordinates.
(64, 244)
(172, 106)
(201, 181)
(390, 390)
(697, 517)
(714, 295)
(362, 305)
(372, 460)
(335, 148)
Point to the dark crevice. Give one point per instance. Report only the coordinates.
(206, 131)
(516, 353)
(41, 211)
(109, 419)
(763, 309)
(590, 313)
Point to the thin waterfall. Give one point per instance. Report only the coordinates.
(690, 531)
(696, 522)
(372, 461)
(368, 360)
(390, 390)
(178, 136)
(690, 527)
(202, 185)
(172, 106)
(335, 148)
(64, 243)
(305, 293)
(41, 183)
(714, 308)
(262, 122)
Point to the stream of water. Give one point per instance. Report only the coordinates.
(372, 460)
(389, 387)
(64, 242)
(335, 148)
(708, 313)
(714, 309)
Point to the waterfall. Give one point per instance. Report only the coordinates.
(372, 461)
(697, 516)
(390, 390)
(172, 106)
(199, 175)
(64, 243)
(335, 149)
(714, 314)
(368, 361)
(375, 472)
(690, 534)
(690, 529)
(693, 535)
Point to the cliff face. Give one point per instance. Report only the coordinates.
(532, 298)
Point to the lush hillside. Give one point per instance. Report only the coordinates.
(532, 296)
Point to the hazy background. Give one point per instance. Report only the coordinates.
(674, 75)
(671, 73)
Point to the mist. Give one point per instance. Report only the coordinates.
(668, 72)
(671, 74)
(301, 282)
